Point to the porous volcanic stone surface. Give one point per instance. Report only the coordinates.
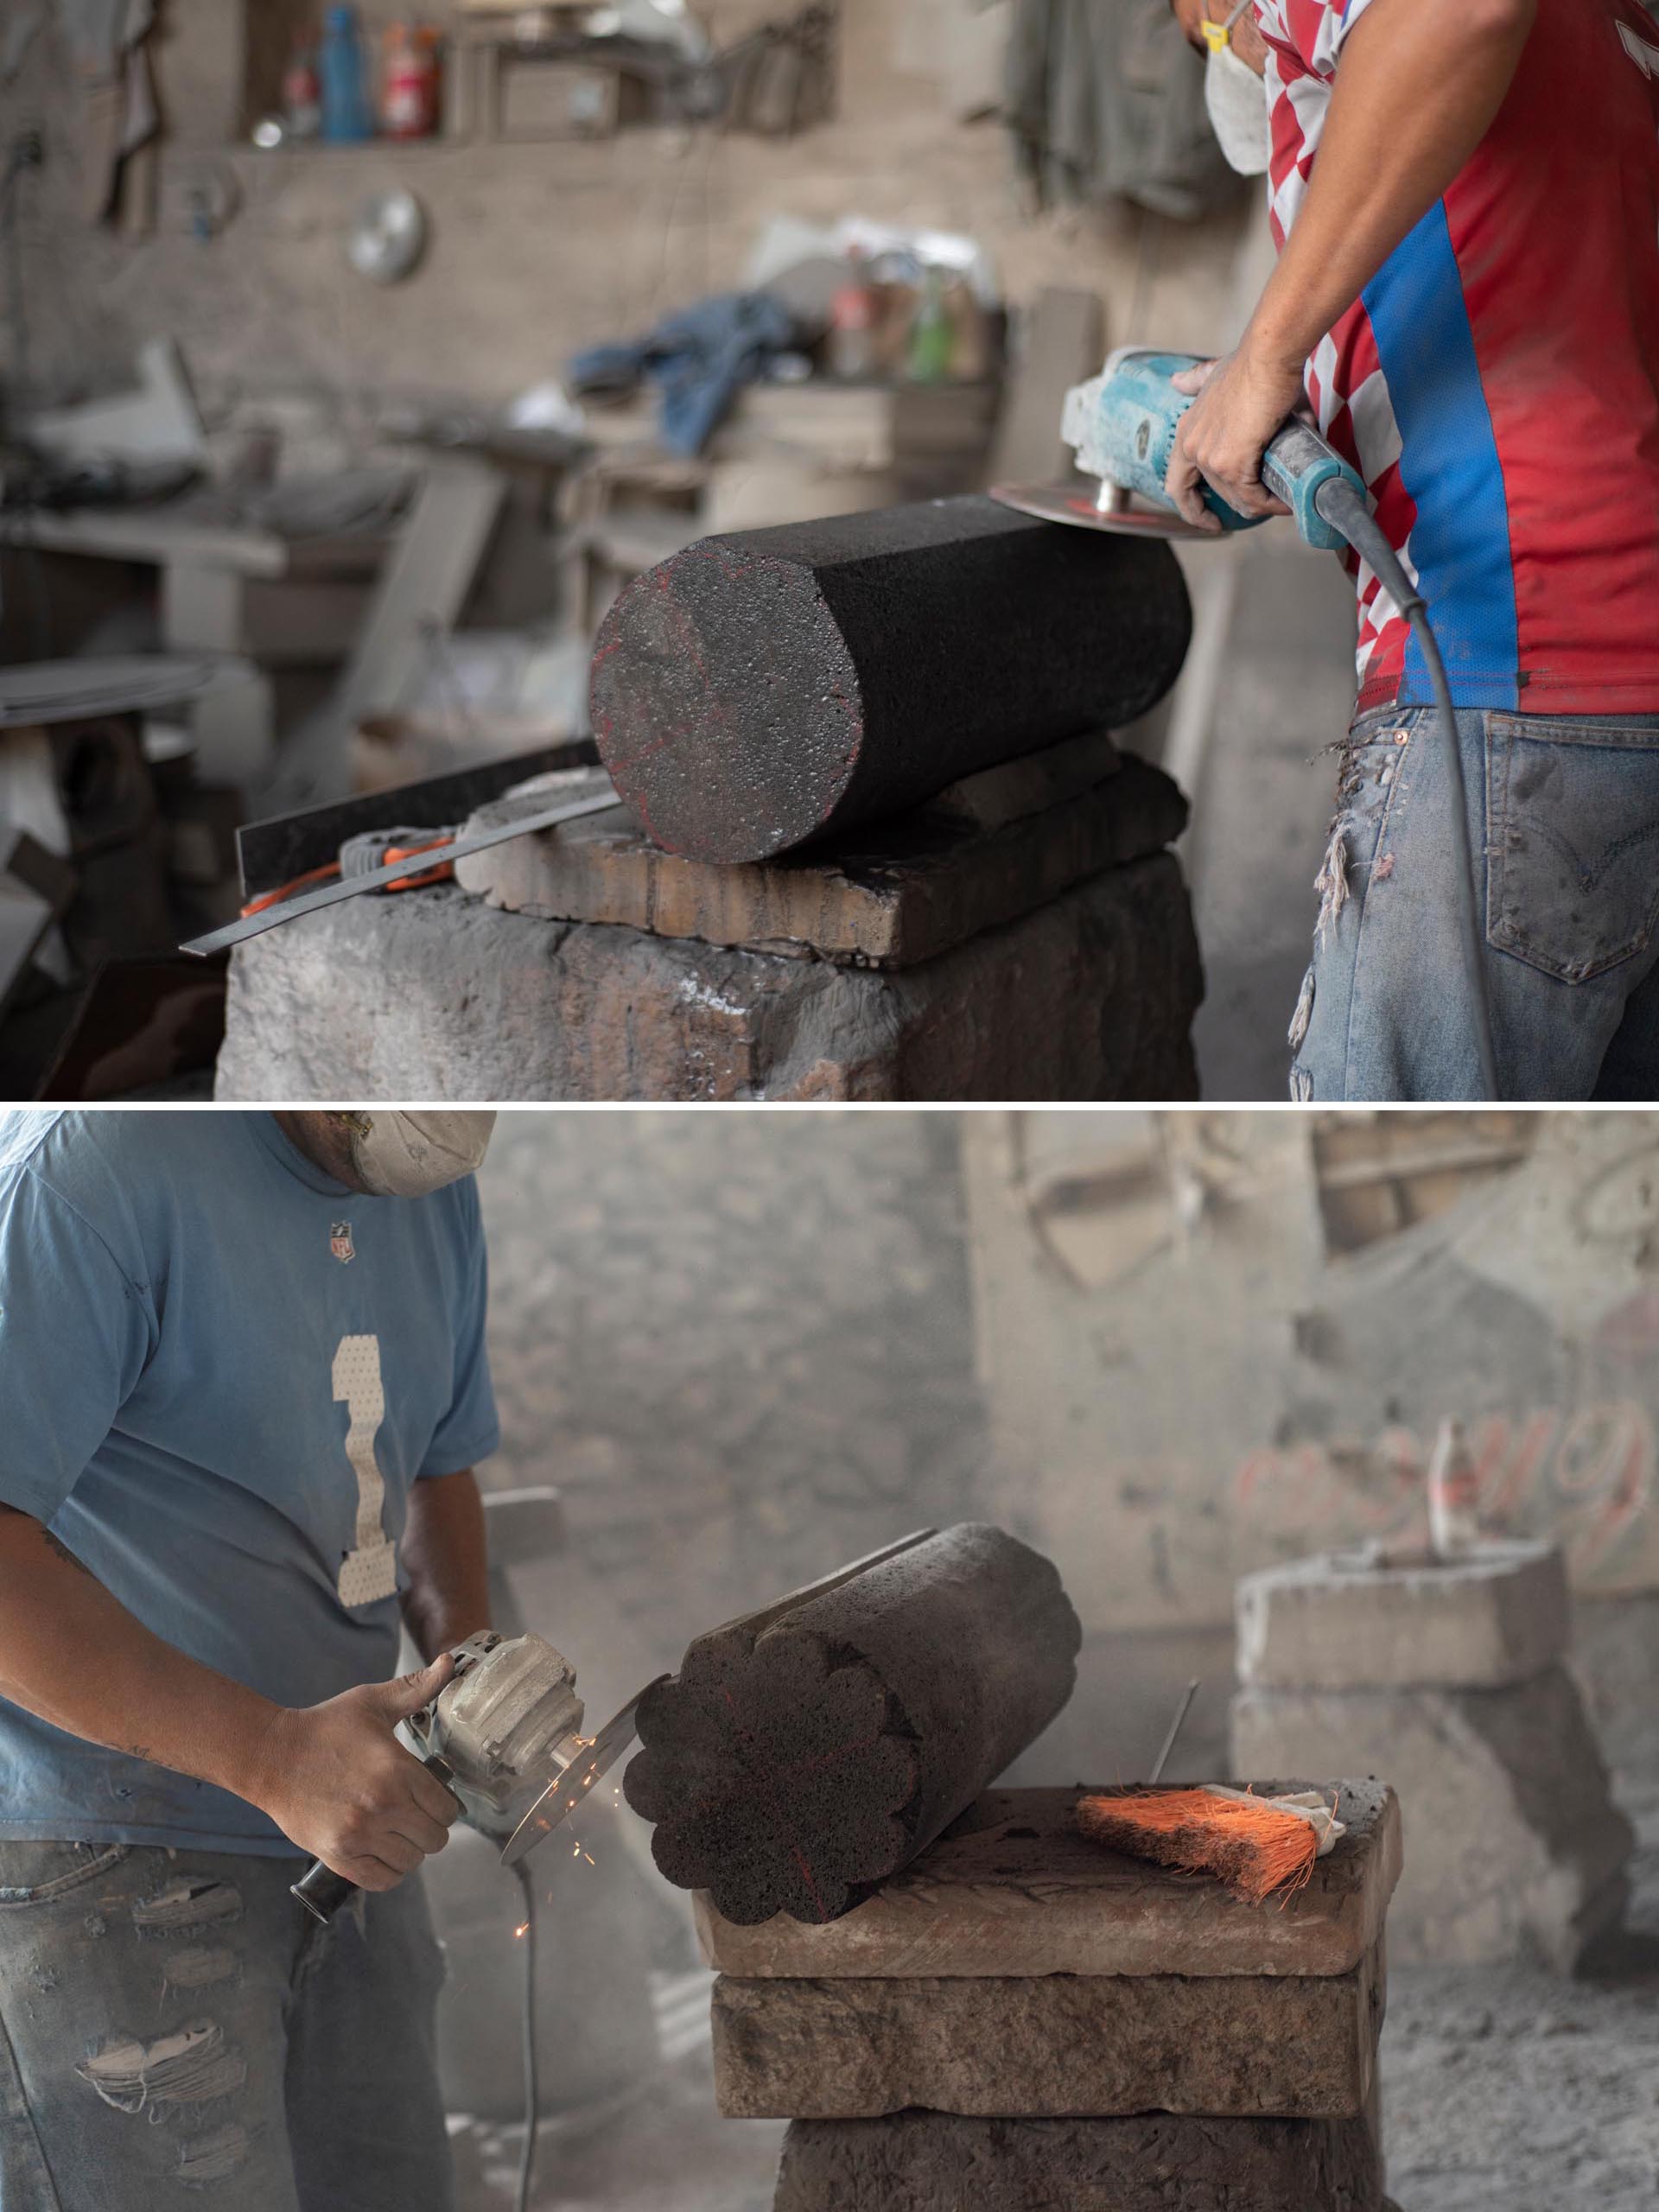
(433, 994)
(1013, 1888)
(760, 689)
(925, 2161)
(794, 1761)
(1052, 2047)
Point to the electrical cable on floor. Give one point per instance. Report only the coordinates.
(1345, 510)
(532, 2095)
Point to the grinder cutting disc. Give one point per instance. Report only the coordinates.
(1072, 504)
(563, 1795)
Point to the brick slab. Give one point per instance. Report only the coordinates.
(1054, 2047)
(890, 896)
(921, 2162)
(1012, 1888)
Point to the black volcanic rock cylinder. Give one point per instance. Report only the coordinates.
(789, 1766)
(759, 690)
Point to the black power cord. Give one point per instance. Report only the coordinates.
(1345, 509)
(532, 2092)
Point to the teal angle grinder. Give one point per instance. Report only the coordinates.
(1121, 425)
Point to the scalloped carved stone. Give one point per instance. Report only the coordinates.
(795, 1760)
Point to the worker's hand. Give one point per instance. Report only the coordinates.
(1242, 402)
(337, 1784)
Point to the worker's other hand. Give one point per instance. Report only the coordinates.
(1242, 402)
(337, 1784)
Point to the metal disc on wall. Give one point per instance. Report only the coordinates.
(388, 236)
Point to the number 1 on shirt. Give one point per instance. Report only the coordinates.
(369, 1570)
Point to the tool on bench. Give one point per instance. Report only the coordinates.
(504, 1733)
(362, 871)
(1122, 426)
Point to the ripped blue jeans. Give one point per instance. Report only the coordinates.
(1563, 821)
(175, 2029)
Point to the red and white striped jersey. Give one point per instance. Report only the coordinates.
(1496, 385)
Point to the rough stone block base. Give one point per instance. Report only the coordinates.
(431, 995)
(933, 2162)
(1495, 1618)
(1512, 1843)
(1053, 2046)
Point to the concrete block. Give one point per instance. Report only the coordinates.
(1340, 1622)
(1013, 1889)
(1054, 2046)
(1513, 1844)
(432, 994)
(892, 895)
(1151, 2162)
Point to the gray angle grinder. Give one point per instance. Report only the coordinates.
(505, 1734)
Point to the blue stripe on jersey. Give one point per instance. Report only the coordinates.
(1449, 464)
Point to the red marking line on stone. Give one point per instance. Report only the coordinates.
(758, 1787)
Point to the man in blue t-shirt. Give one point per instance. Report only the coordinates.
(243, 1385)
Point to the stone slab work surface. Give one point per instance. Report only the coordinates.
(936, 2162)
(1012, 1888)
(1513, 1844)
(1053, 2046)
(1347, 1623)
(891, 895)
(806, 1751)
(433, 994)
(761, 689)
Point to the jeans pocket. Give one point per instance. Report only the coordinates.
(1573, 823)
(40, 1874)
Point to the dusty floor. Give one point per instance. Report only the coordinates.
(1506, 2089)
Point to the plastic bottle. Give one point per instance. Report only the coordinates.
(408, 104)
(852, 324)
(1453, 1495)
(932, 340)
(341, 66)
(302, 93)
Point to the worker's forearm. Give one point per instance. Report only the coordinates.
(1416, 89)
(445, 1554)
(70, 1654)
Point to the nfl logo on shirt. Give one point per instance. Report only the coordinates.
(339, 1241)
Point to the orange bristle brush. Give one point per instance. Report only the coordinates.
(1256, 1847)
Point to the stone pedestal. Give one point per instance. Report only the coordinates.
(929, 2162)
(1022, 2019)
(1448, 1680)
(1026, 935)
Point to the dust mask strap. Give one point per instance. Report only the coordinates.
(1237, 100)
(410, 1155)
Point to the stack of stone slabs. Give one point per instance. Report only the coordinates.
(1451, 1679)
(1022, 2019)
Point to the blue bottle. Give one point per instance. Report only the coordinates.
(341, 66)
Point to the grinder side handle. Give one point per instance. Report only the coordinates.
(321, 1892)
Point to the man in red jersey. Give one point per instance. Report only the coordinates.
(1466, 200)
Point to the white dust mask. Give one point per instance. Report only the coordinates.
(1237, 101)
(398, 1155)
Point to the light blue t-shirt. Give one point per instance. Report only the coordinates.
(220, 1372)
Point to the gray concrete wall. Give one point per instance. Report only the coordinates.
(536, 249)
(740, 1343)
(744, 1342)
(1205, 1348)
